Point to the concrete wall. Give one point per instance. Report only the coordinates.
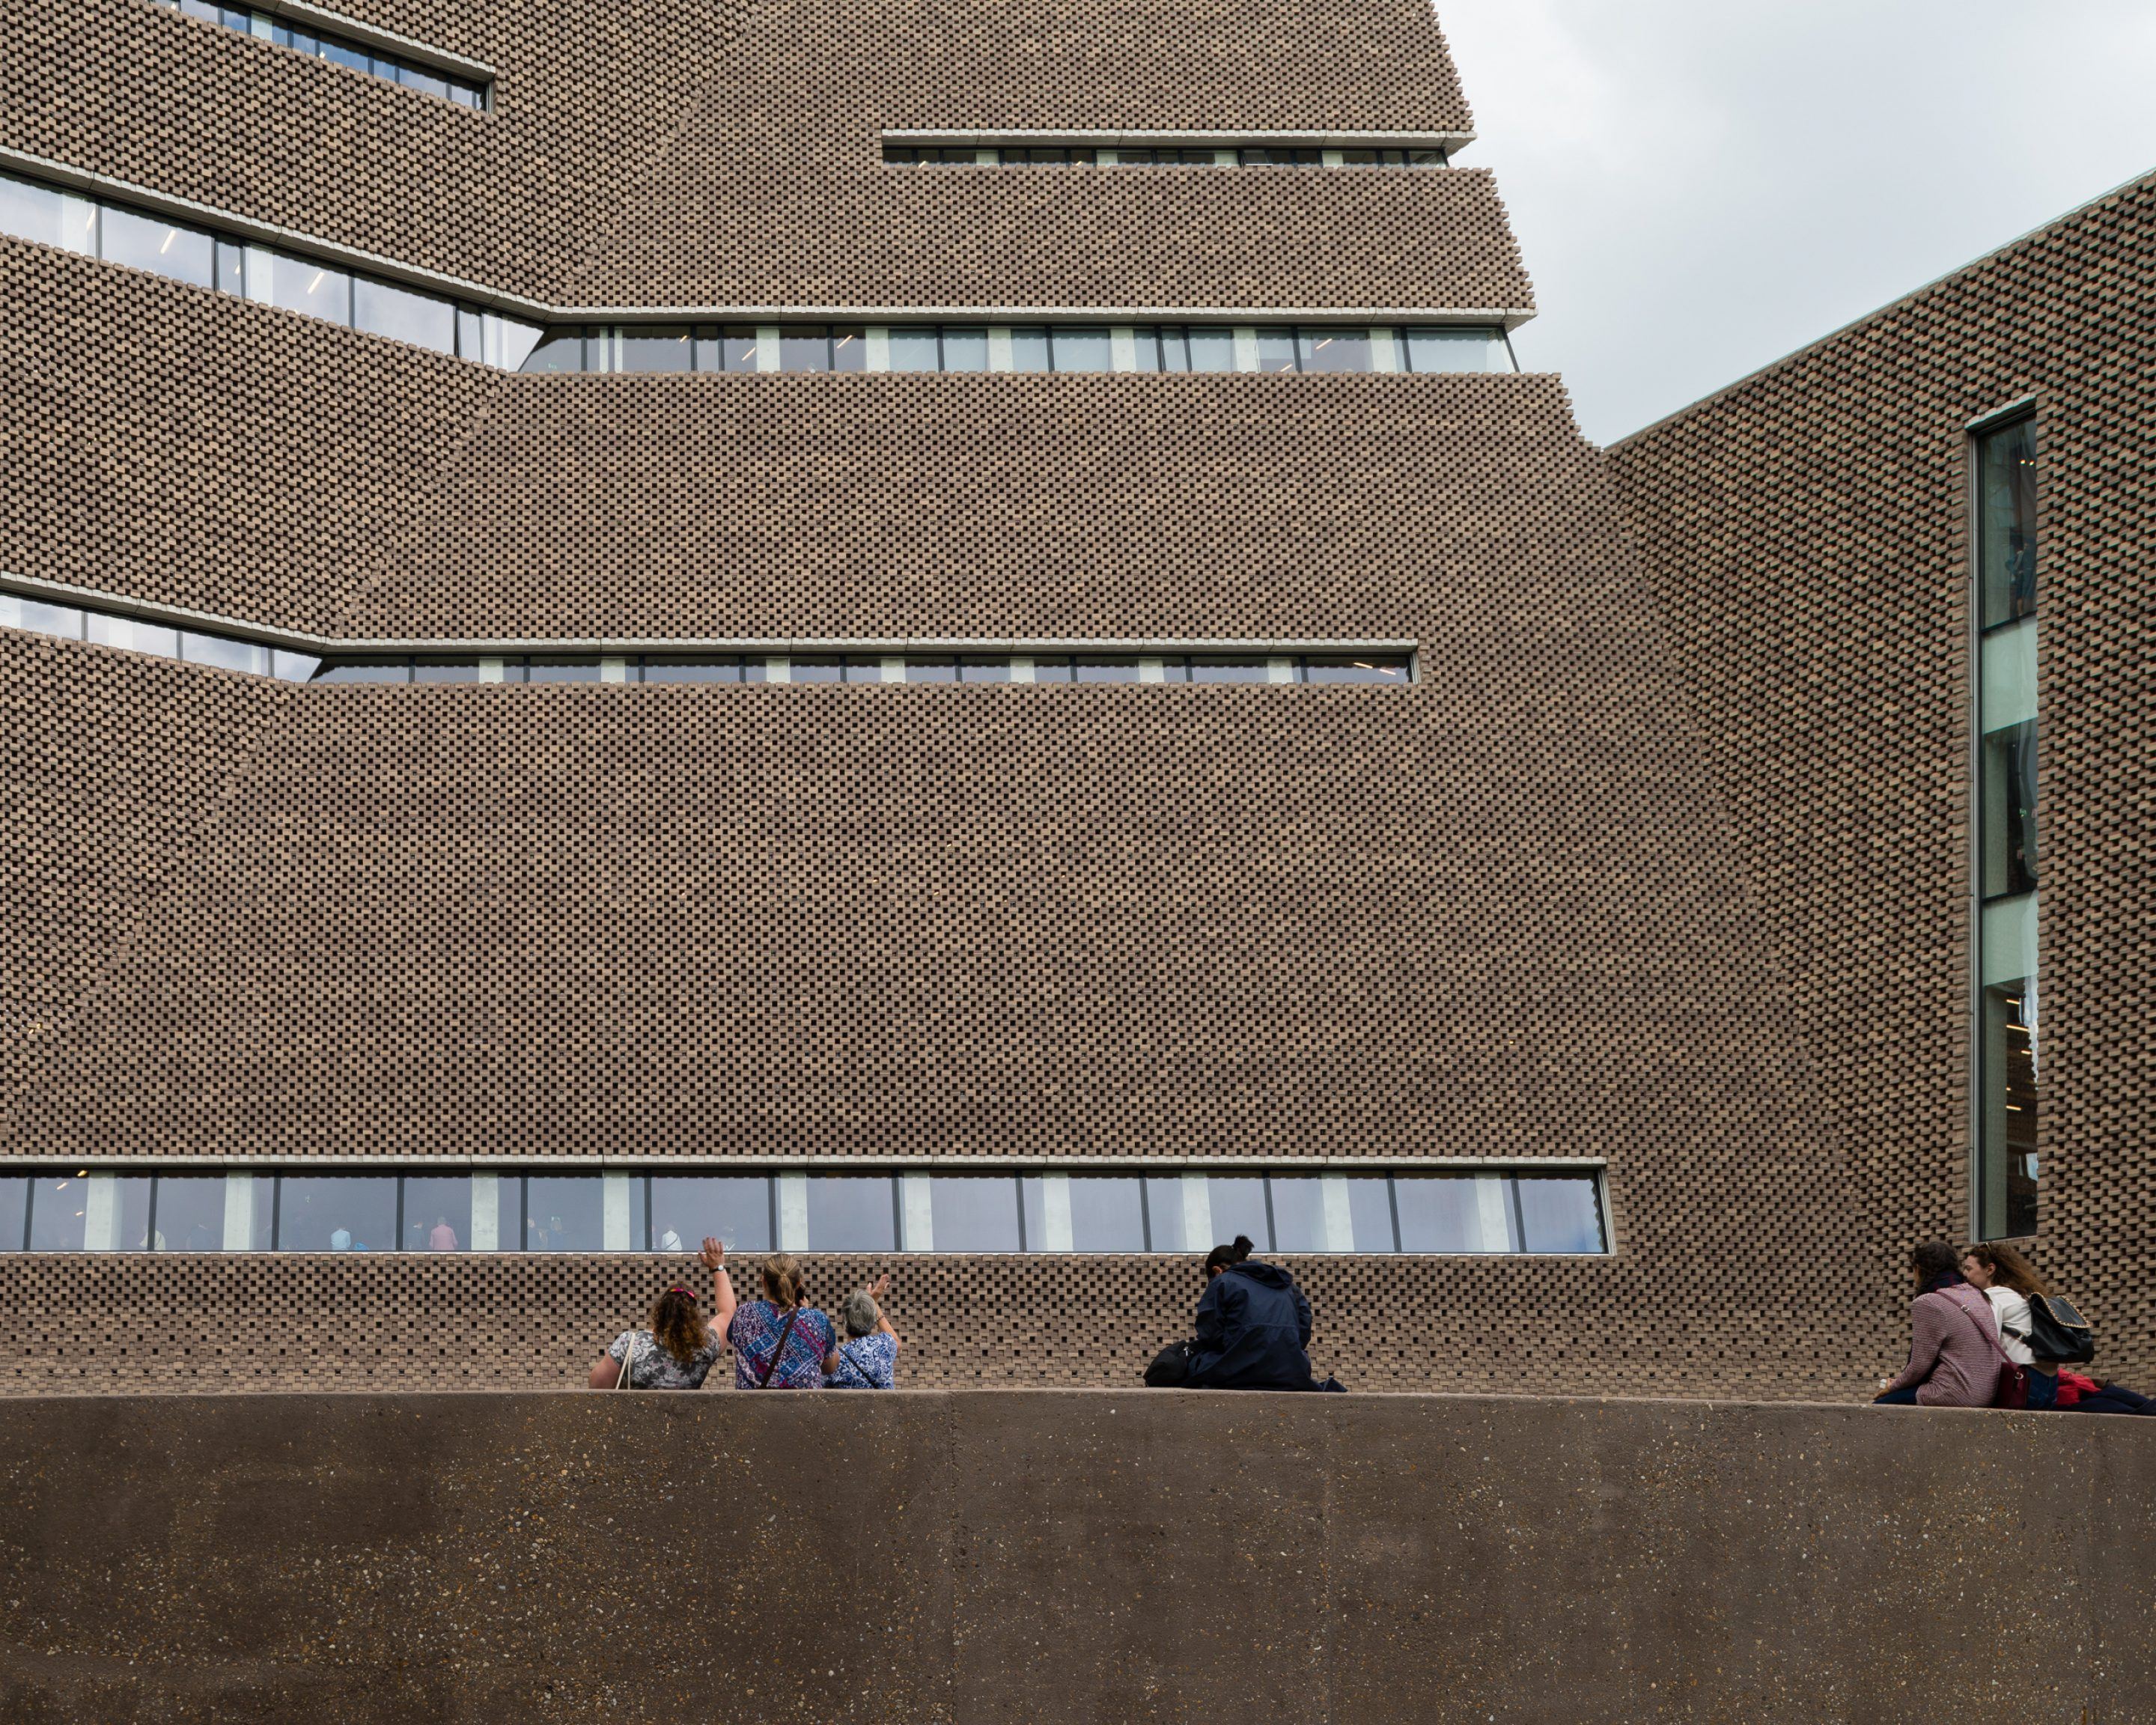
(1067, 1555)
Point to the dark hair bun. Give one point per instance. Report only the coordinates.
(1242, 1247)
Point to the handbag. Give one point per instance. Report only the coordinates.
(2058, 1333)
(2012, 1390)
(771, 1365)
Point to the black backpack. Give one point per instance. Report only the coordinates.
(2058, 1334)
(1170, 1366)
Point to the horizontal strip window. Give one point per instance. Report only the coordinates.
(338, 50)
(107, 628)
(1157, 349)
(1479, 1213)
(202, 258)
(1388, 670)
(1140, 155)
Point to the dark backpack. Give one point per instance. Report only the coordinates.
(1170, 1367)
(2057, 1334)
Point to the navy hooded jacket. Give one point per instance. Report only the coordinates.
(1253, 1329)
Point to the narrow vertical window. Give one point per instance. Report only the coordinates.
(2007, 1046)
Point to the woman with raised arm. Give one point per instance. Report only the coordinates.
(868, 1359)
(681, 1346)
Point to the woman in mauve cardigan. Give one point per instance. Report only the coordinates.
(1955, 1354)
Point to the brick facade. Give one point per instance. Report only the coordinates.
(1506, 912)
(1806, 533)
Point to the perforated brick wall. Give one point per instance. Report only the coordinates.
(661, 155)
(1806, 533)
(186, 1323)
(168, 444)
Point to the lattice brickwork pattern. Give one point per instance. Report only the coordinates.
(1806, 533)
(184, 1323)
(684, 161)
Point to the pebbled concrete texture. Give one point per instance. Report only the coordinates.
(1067, 1555)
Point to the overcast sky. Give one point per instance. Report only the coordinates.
(1701, 186)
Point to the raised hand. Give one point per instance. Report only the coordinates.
(713, 1257)
(882, 1286)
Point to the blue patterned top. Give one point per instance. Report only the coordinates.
(865, 1363)
(754, 1333)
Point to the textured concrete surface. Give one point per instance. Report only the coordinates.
(1067, 1555)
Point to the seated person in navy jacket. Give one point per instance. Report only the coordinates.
(1253, 1327)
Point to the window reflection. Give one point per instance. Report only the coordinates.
(970, 1213)
(438, 1213)
(190, 1213)
(564, 1212)
(1557, 1214)
(2006, 523)
(852, 1214)
(1107, 1215)
(336, 1213)
(734, 1208)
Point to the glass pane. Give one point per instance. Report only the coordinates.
(655, 347)
(1106, 1213)
(975, 1214)
(1299, 1214)
(132, 636)
(984, 671)
(31, 211)
(191, 1213)
(148, 243)
(1230, 670)
(1370, 1209)
(1174, 668)
(1439, 1215)
(1276, 350)
(445, 670)
(1081, 350)
(564, 1212)
(1163, 1204)
(1359, 670)
(412, 78)
(1329, 350)
(1559, 1214)
(965, 350)
(382, 671)
(2009, 1075)
(737, 347)
(735, 1209)
(336, 1213)
(861, 669)
(356, 59)
(437, 1213)
(915, 349)
(1104, 671)
(558, 350)
(14, 1211)
(805, 347)
(1239, 1207)
(1211, 350)
(932, 670)
(562, 670)
(293, 667)
(57, 1206)
(224, 653)
(2006, 523)
(1029, 350)
(420, 319)
(851, 1213)
(34, 614)
(1052, 671)
(1448, 350)
(131, 1198)
(850, 348)
(692, 671)
(2008, 823)
(297, 285)
(820, 668)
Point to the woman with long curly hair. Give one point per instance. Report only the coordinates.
(682, 1345)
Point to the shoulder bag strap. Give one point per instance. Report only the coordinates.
(771, 1365)
(628, 1359)
(867, 1382)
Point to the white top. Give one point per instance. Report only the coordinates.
(2012, 1310)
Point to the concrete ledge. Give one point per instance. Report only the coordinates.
(1067, 1555)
